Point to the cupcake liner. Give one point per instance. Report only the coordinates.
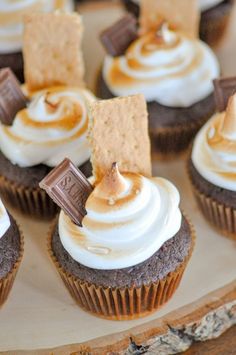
(6, 282)
(121, 303)
(221, 216)
(31, 201)
(213, 31)
(168, 142)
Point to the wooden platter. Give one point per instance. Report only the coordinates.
(41, 318)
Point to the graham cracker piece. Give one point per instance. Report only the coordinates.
(182, 15)
(118, 132)
(52, 50)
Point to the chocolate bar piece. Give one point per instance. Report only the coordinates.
(224, 88)
(69, 189)
(12, 99)
(117, 38)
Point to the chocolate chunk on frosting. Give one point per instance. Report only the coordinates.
(117, 38)
(12, 98)
(69, 189)
(224, 88)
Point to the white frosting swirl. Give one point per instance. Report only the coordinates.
(169, 68)
(4, 220)
(52, 127)
(214, 153)
(126, 229)
(11, 14)
(203, 4)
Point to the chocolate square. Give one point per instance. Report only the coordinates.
(117, 38)
(69, 189)
(12, 99)
(224, 88)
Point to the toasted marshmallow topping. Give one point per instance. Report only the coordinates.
(214, 149)
(167, 67)
(11, 19)
(4, 220)
(129, 217)
(52, 127)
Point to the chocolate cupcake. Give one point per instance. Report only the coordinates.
(11, 251)
(174, 72)
(53, 125)
(215, 16)
(126, 254)
(212, 170)
(126, 262)
(11, 28)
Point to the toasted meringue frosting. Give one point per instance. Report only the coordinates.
(52, 127)
(167, 67)
(214, 149)
(4, 220)
(129, 217)
(11, 19)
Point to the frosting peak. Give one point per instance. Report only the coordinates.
(115, 235)
(229, 123)
(112, 184)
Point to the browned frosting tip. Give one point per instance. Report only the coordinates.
(112, 183)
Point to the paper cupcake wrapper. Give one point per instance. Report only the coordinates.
(212, 32)
(6, 282)
(168, 142)
(221, 217)
(31, 201)
(121, 303)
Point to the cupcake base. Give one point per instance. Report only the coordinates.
(126, 293)
(19, 187)
(15, 62)
(11, 247)
(217, 205)
(171, 128)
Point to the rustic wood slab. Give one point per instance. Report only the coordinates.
(41, 318)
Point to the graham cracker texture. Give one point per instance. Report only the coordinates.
(182, 15)
(118, 132)
(52, 50)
